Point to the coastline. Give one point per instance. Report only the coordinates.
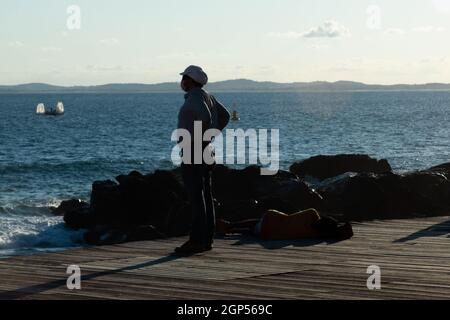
(221, 91)
(347, 187)
(242, 194)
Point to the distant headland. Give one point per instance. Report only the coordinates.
(241, 85)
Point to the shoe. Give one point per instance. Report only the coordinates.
(191, 247)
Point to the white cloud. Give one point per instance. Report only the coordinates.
(427, 29)
(110, 41)
(395, 31)
(329, 29)
(15, 44)
(50, 49)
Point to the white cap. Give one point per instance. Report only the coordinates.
(197, 74)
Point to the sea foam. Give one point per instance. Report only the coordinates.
(28, 228)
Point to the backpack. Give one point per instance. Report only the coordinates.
(223, 115)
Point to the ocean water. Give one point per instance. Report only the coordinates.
(44, 159)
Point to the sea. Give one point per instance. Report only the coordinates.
(47, 159)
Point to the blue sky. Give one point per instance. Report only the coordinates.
(151, 41)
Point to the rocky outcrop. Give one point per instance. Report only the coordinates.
(69, 205)
(443, 169)
(323, 167)
(140, 206)
(367, 196)
(158, 202)
(134, 200)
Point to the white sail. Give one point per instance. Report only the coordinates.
(60, 107)
(40, 109)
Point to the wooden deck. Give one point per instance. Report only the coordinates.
(414, 257)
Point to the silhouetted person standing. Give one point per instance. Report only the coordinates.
(200, 106)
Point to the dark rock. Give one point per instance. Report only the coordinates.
(162, 195)
(122, 179)
(93, 235)
(379, 196)
(69, 205)
(105, 236)
(106, 201)
(443, 168)
(323, 167)
(297, 193)
(431, 188)
(239, 210)
(354, 196)
(80, 219)
(138, 199)
(232, 185)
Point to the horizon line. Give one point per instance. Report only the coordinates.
(237, 79)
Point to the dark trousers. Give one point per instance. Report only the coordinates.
(197, 180)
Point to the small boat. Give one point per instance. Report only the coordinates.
(59, 110)
(40, 109)
(235, 116)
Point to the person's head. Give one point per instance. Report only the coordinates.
(193, 77)
(187, 83)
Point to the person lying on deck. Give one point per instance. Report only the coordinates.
(276, 225)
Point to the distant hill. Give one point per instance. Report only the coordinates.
(221, 86)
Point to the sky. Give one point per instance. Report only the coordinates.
(89, 42)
